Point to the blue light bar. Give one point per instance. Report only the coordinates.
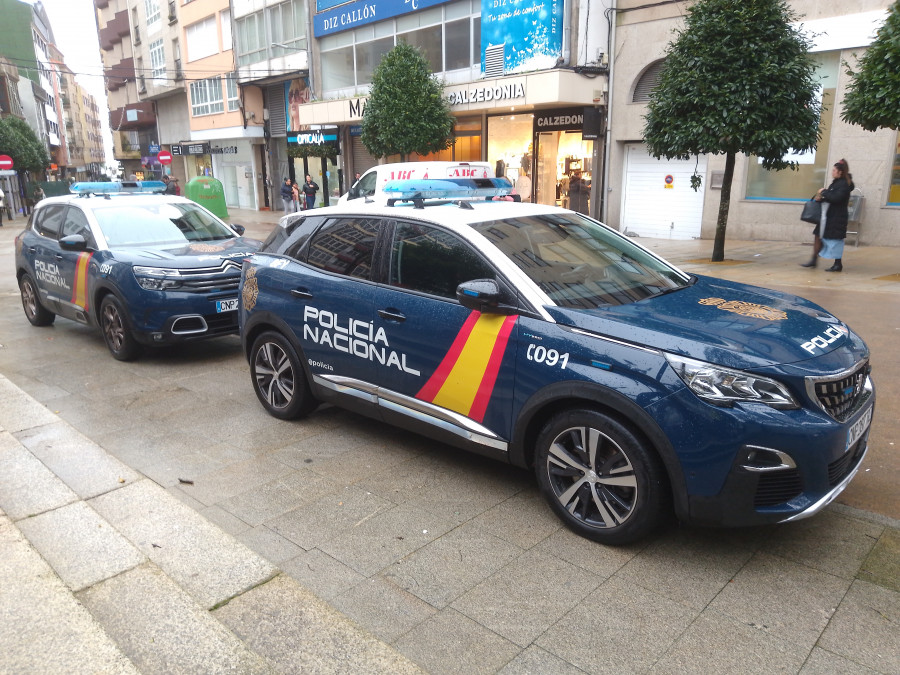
(448, 188)
(118, 187)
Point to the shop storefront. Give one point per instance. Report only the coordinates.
(232, 162)
(563, 159)
(197, 158)
(321, 161)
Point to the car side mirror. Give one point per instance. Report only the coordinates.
(482, 295)
(240, 229)
(73, 242)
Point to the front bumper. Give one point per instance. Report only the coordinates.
(180, 319)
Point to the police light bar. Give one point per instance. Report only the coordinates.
(118, 187)
(447, 188)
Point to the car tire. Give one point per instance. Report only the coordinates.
(599, 477)
(278, 377)
(36, 313)
(116, 330)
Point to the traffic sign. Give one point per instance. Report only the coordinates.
(164, 157)
(6, 162)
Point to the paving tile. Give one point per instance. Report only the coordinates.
(830, 542)
(227, 521)
(299, 633)
(76, 460)
(45, 629)
(190, 466)
(235, 479)
(277, 497)
(865, 628)
(360, 461)
(82, 548)
(201, 558)
(452, 643)
(382, 608)
(524, 519)
(271, 546)
(619, 628)
(310, 525)
(320, 573)
(18, 411)
(453, 564)
(27, 487)
(823, 662)
(162, 630)
(716, 643)
(688, 566)
(524, 598)
(788, 600)
(603, 561)
(377, 542)
(537, 661)
(882, 566)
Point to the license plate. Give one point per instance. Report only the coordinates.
(226, 305)
(858, 428)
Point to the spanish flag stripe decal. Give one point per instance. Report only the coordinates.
(483, 396)
(436, 381)
(79, 290)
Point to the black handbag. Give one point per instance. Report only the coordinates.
(812, 212)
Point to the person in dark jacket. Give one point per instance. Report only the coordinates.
(832, 229)
(287, 196)
(170, 185)
(310, 188)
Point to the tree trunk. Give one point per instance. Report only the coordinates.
(718, 254)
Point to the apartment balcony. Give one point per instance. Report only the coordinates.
(118, 75)
(114, 31)
(101, 4)
(173, 12)
(179, 71)
(132, 117)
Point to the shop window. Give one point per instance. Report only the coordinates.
(369, 55)
(430, 42)
(337, 68)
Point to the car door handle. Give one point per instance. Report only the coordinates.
(301, 293)
(392, 315)
(58, 256)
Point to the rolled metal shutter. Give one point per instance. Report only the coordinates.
(277, 110)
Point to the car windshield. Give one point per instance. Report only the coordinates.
(579, 263)
(159, 224)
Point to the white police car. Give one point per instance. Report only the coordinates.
(540, 337)
(147, 268)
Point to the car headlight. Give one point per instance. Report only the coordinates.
(157, 278)
(724, 386)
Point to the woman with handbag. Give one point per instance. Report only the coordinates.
(832, 228)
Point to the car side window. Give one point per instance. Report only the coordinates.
(433, 261)
(76, 223)
(345, 246)
(49, 220)
(366, 184)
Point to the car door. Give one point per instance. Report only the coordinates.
(449, 362)
(47, 257)
(74, 266)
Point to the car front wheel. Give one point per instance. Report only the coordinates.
(31, 303)
(278, 377)
(599, 477)
(116, 332)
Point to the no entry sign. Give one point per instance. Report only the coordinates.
(6, 162)
(164, 157)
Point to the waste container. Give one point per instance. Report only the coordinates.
(208, 193)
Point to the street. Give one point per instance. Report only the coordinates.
(456, 561)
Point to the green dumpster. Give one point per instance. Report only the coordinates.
(208, 193)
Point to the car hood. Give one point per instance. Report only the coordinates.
(184, 255)
(723, 322)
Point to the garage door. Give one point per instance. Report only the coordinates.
(658, 199)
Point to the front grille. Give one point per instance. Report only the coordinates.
(221, 324)
(843, 465)
(839, 396)
(777, 487)
(225, 277)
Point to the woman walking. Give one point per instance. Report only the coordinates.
(832, 229)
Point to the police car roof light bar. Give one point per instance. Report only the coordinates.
(118, 187)
(445, 188)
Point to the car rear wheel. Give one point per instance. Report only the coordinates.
(31, 303)
(599, 477)
(116, 332)
(278, 377)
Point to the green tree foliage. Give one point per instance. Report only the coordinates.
(872, 100)
(737, 79)
(19, 142)
(406, 111)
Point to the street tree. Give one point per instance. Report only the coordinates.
(738, 78)
(872, 100)
(19, 142)
(406, 111)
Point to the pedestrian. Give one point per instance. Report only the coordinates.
(295, 196)
(356, 177)
(579, 191)
(523, 186)
(170, 185)
(310, 188)
(177, 187)
(287, 196)
(832, 228)
(38, 194)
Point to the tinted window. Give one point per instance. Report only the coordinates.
(430, 260)
(345, 246)
(76, 223)
(49, 220)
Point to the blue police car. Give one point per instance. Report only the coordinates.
(540, 337)
(148, 269)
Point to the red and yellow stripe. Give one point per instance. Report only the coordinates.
(465, 378)
(80, 287)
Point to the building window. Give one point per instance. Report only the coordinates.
(226, 30)
(206, 97)
(152, 9)
(286, 23)
(647, 82)
(251, 33)
(202, 39)
(158, 62)
(231, 91)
